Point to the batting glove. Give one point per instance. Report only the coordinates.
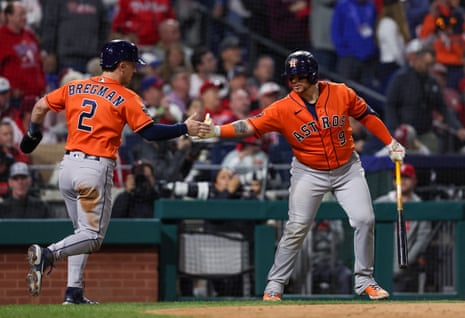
(214, 130)
(396, 151)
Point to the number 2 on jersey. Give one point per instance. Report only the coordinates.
(87, 114)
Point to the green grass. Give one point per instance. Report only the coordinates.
(138, 310)
(121, 310)
(109, 310)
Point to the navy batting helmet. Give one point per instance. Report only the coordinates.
(302, 63)
(116, 51)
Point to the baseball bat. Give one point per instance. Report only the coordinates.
(400, 223)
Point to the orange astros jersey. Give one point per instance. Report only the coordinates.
(322, 143)
(97, 110)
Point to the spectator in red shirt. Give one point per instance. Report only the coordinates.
(210, 97)
(139, 20)
(20, 59)
(239, 107)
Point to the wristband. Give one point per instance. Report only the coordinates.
(225, 131)
(34, 127)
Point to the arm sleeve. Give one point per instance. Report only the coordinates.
(162, 131)
(374, 125)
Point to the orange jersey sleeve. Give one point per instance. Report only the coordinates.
(322, 143)
(374, 125)
(97, 109)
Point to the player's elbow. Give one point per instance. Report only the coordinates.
(40, 109)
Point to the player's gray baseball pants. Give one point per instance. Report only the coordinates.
(307, 188)
(85, 183)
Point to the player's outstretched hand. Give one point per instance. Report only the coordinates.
(396, 151)
(30, 141)
(212, 132)
(196, 128)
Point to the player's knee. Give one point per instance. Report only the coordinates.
(95, 244)
(294, 234)
(364, 222)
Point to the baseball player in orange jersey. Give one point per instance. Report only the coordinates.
(97, 109)
(314, 119)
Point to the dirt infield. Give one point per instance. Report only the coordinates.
(368, 310)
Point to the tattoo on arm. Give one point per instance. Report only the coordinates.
(241, 128)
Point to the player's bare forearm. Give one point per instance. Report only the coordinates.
(39, 111)
(239, 128)
(242, 128)
(32, 138)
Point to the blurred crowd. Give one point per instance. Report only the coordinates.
(412, 52)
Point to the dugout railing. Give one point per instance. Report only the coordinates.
(171, 212)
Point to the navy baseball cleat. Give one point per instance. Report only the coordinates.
(75, 296)
(39, 260)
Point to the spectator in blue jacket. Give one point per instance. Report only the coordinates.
(415, 11)
(353, 36)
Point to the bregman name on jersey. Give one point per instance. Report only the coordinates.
(97, 90)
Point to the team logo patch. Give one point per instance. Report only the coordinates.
(258, 115)
(293, 63)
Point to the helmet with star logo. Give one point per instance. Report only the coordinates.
(116, 51)
(301, 63)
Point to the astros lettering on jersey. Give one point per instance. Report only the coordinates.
(322, 143)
